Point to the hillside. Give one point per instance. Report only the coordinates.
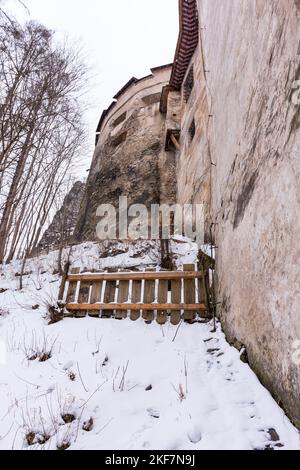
(107, 384)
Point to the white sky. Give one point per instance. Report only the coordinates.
(121, 39)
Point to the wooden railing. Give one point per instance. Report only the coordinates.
(151, 294)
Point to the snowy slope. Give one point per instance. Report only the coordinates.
(130, 385)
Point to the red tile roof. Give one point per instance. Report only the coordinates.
(130, 82)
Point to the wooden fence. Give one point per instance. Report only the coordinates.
(150, 294)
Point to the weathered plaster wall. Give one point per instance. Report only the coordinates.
(251, 51)
(137, 167)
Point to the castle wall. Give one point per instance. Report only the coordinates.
(251, 51)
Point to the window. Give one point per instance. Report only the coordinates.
(188, 84)
(119, 140)
(119, 119)
(192, 130)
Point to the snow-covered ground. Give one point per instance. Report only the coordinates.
(107, 384)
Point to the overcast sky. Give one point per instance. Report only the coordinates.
(121, 39)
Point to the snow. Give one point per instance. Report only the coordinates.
(123, 384)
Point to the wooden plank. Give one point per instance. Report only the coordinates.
(207, 292)
(123, 292)
(109, 297)
(95, 297)
(176, 299)
(137, 306)
(162, 297)
(135, 298)
(135, 275)
(189, 293)
(149, 295)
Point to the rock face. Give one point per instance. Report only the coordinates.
(129, 158)
(244, 162)
(62, 226)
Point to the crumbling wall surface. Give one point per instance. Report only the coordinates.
(251, 51)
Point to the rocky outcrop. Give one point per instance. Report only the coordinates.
(251, 52)
(61, 229)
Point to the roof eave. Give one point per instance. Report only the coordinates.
(187, 41)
